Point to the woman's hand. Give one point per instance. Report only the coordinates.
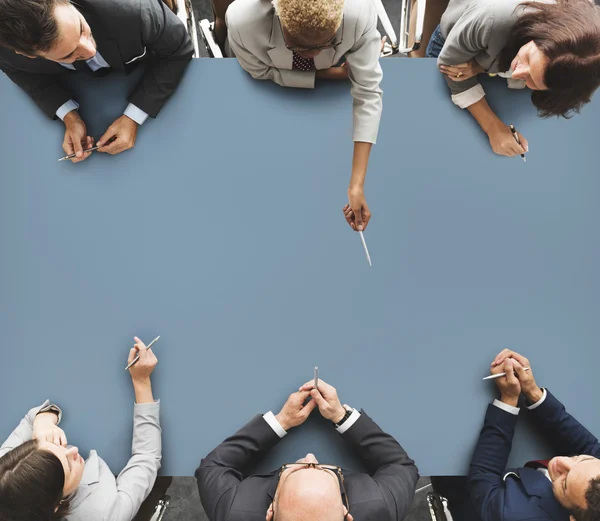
(462, 71)
(45, 428)
(141, 371)
(504, 143)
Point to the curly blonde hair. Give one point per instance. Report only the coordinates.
(300, 17)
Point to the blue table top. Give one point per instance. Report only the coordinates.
(222, 231)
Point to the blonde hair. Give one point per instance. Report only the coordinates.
(310, 16)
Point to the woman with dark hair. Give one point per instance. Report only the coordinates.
(552, 48)
(43, 479)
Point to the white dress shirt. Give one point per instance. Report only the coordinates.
(97, 62)
(281, 432)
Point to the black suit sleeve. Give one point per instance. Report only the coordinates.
(44, 89)
(387, 462)
(565, 433)
(167, 39)
(485, 482)
(221, 471)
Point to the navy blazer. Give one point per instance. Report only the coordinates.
(523, 494)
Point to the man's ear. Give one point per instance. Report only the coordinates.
(270, 513)
(26, 55)
(348, 515)
(571, 518)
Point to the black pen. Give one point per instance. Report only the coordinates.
(516, 136)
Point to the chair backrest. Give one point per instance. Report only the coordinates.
(438, 507)
(412, 19)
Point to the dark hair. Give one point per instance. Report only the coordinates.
(28, 26)
(568, 34)
(31, 484)
(592, 497)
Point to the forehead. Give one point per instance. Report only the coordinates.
(537, 66)
(69, 29)
(310, 38)
(579, 478)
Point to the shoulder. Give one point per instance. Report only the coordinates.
(251, 499)
(367, 498)
(250, 14)
(119, 13)
(359, 13)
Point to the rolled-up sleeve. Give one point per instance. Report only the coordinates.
(365, 75)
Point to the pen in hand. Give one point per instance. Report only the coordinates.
(498, 375)
(71, 156)
(138, 356)
(516, 136)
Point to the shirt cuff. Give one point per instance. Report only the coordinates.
(65, 108)
(539, 402)
(136, 114)
(274, 424)
(505, 407)
(469, 97)
(349, 422)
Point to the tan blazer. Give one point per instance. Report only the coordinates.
(101, 497)
(256, 39)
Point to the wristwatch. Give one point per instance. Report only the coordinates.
(349, 411)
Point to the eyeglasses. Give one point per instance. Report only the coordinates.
(331, 44)
(293, 467)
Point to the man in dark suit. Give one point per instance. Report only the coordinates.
(305, 489)
(567, 487)
(42, 39)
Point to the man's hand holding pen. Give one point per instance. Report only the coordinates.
(76, 138)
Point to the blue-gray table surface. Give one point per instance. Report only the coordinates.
(222, 231)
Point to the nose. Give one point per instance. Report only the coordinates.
(73, 451)
(310, 458)
(521, 72)
(563, 464)
(87, 48)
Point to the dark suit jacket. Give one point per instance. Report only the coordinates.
(385, 494)
(523, 494)
(126, 31)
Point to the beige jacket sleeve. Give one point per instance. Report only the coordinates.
(260, 70)
(24, 431)
(365, 75)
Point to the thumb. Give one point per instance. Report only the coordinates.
(520, 370)
(309, 407)
(358, 218)
(510, 372)
(318, 398)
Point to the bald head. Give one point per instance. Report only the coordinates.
(309, 494)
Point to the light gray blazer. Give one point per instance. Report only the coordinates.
(101, 497)
(255, 36)
(477, 29)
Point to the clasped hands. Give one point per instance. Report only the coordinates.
(517, 380)
(120, 136)
(302, 403)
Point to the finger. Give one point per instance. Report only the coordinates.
(63, 440)
(132, 353)
(520, 370)
(524, 142)
(367, 218)
(78, 147)
(501, 356)
(113, 148)
(308, 408)
(68, 145)
(56, 439)
(106, 137)
(520, 358)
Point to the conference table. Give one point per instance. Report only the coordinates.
(222, 231)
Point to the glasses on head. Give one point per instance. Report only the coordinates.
(331, 44)
(293, 467)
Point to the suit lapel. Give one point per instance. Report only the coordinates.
(91, 476)
(107, 46)
(273, 486)
(280, 55)
(536, 484)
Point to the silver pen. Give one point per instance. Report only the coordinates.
(316, 383)
(362, 238)
(71, 156)
(498, 375)
(516, 136)
(138, 355)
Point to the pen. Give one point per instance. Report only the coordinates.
(138, 355)
(71, 156)
(494, 376)
(316, 377)
(362, 238)
(516, 136)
